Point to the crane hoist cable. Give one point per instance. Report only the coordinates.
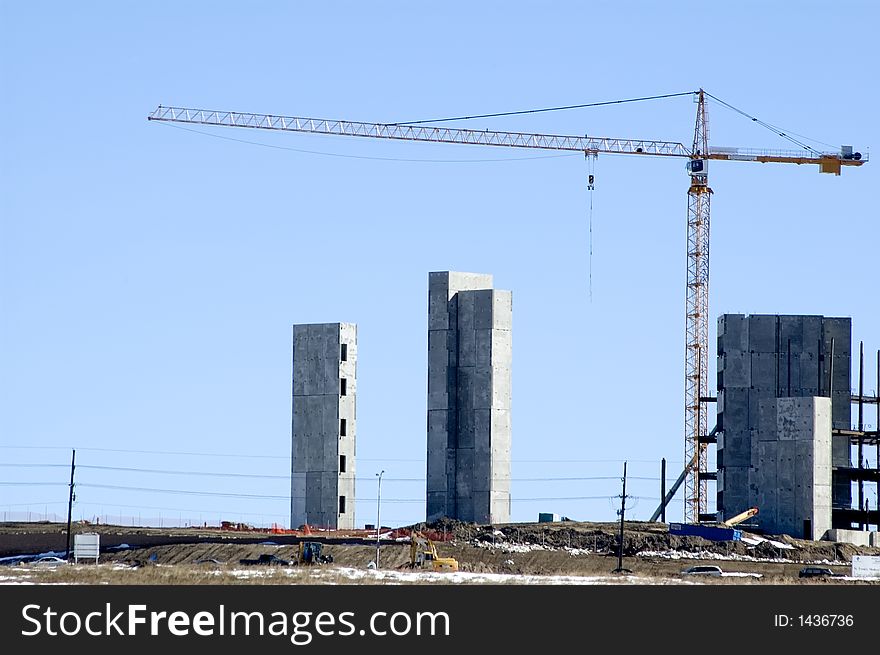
(591, 187)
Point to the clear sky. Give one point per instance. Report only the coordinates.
(149, 276)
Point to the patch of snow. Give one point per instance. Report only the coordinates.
(754, 540)
(779, 544)
(732, 557)
(511, 548)
(244, 574)
(574, 552)
(464, 577)
(11, 581)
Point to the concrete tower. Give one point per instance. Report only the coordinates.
(469, 357)
(775, 417)
(323, 427)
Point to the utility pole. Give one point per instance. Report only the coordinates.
(663, 490)
(622, 511)
(378, 514)
(70, 502)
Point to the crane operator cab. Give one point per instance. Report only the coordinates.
(696, 166)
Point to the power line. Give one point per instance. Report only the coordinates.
(287, 457)
(544, 109)
(185, 492)
(18, 447)
(215, 474)
(287, 498)
(34, 503)
(179, 509)
(218, 474)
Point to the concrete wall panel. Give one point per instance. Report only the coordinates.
(737, 369)
(762, 333)
(483, 306)
(763, 371)
(733, 331)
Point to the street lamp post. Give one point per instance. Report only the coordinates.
(378, 514)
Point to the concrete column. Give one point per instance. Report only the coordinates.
(324, 425)
(469, 348)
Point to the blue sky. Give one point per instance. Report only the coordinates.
(149, 276)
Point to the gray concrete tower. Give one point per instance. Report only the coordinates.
(323, 426)
(764, 362)
(469, 357)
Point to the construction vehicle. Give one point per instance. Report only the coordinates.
(311, 552)
(423, 554)
(739, 518)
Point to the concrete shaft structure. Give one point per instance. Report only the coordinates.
(762, 358)
(469, 357)
(793, 470)
(324, 425)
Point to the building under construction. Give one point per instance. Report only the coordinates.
(737, 470)
(469, 354)
(786, 440)
(323, 425)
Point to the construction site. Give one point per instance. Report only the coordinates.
(783, 445)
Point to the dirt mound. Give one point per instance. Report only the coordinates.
(531, 548)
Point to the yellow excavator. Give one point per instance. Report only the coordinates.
(423, 554)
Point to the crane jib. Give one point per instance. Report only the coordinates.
(435, 134)
(425, 133)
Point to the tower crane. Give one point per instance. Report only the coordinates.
(697, 436)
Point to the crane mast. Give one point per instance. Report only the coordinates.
(697, 435)
(697, 320)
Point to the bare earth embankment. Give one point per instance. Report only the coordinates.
(560, 553)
